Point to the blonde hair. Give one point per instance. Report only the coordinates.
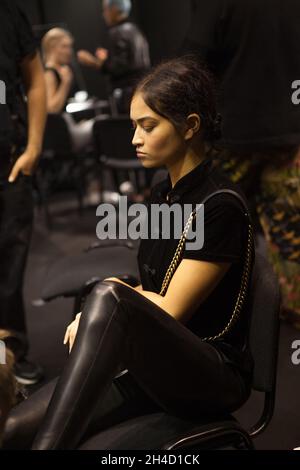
(52, 38)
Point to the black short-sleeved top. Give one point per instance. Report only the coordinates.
(225, 240)
(16, 42)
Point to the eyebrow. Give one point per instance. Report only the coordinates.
(144, 118)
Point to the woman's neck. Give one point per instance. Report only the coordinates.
(184, 165)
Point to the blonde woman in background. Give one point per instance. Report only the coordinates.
(57, 45)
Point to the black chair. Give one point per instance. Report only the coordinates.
(162, 431)
(74, 276)
(112, 138)
(60, 168)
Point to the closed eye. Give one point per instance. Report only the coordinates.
(148, 129)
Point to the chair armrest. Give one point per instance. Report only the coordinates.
(211, 435)
(104, 244)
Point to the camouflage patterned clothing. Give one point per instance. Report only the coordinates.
(271, 181)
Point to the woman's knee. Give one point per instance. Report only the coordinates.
(104, 300)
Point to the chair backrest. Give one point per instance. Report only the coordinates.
(113, 138)
(264, 328)
(57, 139)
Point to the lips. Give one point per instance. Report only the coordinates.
(141, 154)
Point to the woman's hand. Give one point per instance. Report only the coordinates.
(25, 164)
(115, 279)
(101, 54)
(86, 58)
(66, 74)
(71, 332)
(138, 288)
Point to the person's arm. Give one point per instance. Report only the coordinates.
(57, 95)
(89, 60)
(138, 288)
(33, 78)
(191, 284)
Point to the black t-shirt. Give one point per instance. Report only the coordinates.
(225, 240)
(253, 46)
(16, 42)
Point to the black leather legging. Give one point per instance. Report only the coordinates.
(177, 371)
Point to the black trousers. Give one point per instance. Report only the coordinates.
(16, 217)
(170, 369)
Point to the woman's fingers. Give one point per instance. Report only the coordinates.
(70, 344)
(72, 332)
(72, 339)
(66, 337)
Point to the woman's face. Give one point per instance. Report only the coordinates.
(64, 50)
(157, 141)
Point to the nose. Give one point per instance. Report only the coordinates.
(137, 138)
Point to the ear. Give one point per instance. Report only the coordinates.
(193, 125)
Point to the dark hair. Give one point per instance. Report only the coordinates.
(179, 87)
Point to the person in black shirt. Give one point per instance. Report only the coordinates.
(183, 348)
(127, 57)
(20, 70)
(252, 46)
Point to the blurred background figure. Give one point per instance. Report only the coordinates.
(256, 64)
(20, 147)
(127, 57)
(57, 46)
(8, 386)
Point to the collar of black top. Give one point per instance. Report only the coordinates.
(185, 184)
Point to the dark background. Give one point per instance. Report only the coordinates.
(164, 22)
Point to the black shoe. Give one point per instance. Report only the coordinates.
(27, 373)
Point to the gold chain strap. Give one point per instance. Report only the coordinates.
(244, 281)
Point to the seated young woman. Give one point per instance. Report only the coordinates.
(181, 336)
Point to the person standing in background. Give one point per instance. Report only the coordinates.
(127, 57)
(57, 48)
(21, 71)
(252, 46)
